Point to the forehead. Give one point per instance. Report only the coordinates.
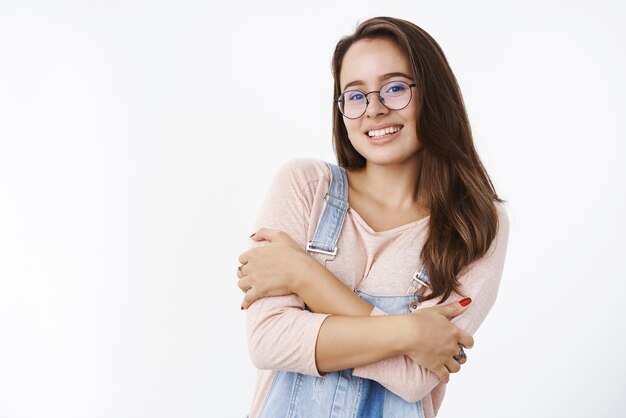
(368, 59)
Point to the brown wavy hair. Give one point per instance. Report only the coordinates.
(451, 180)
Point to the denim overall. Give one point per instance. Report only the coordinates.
(340, 394)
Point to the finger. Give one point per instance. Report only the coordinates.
(460, 356)
(453, 309)
(452, 365)
(244, 284)
(442, 373)
(466, 340)
(239, 275)
(265, 234)
(244, 257)
(250, 297)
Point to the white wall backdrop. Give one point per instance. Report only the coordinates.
(137, 140)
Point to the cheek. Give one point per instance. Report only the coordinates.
(352, 126)
(412, 110)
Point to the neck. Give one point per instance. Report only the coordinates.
(390, 185)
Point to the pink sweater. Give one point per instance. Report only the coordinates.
(282, 335)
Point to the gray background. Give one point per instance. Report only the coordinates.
(137, 140)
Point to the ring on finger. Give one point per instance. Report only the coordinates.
(461, 355)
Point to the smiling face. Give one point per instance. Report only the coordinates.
(382, 136)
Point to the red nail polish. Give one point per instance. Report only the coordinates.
(252, 235)
(465, 302)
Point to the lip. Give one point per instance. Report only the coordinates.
(386, 125)
(384, 140)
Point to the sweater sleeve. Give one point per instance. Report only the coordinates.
(281, 334)
(413, 382)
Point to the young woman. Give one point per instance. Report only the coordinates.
(356, 324)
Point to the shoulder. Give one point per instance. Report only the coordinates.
(302, 172)
(304, 169)
(298, 185)
(501, 239)
(304, 180)
(503, 217)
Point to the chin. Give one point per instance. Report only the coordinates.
(379, 158)
(389, 156)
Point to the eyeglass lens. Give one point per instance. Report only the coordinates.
(395, 95)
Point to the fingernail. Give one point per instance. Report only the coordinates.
(252, 235)
(465, 302)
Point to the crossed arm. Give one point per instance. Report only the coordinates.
(408, 354)
(345, 340)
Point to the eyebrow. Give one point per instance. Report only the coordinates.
(382, 77)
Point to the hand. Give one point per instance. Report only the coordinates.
(269, 270)
(434, 341)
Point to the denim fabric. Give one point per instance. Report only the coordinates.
(333, 213)
(338, 394)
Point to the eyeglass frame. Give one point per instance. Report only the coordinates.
(367, 101)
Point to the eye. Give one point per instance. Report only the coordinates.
(395, 88)
(354, 95)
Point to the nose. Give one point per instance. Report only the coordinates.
(375, 106)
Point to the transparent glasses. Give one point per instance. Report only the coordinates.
(395, 95)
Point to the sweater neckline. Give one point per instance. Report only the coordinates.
(397, 229)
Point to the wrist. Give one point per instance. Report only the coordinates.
(407, 340)
(301, 268)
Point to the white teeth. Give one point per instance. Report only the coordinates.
(383, 132)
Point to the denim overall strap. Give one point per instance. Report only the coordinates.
(420, 277)
(333, 214)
